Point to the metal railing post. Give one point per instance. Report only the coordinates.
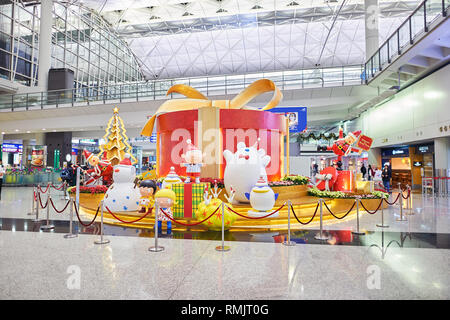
(409, 202)
(357, 218)
(321, 236)
(402, 218)
(70, 234)
(425, 27)
(102, 240)
(382, 225)
(33, 202)
(37, 207)
(289, 242)
(48, 226)
(156, 248)
(223, 247)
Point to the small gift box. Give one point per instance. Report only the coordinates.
(189, 196)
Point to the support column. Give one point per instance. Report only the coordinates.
(372, 13)
(45, 42)
(374, 157)
(441, 146)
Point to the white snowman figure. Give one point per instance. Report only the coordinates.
(123, 195)
(262, 199)
(243, 169)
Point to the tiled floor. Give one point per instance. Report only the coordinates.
(401, 262)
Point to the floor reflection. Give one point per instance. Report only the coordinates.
(376, 239)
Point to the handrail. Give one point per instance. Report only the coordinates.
(156, 89)
(369, 73)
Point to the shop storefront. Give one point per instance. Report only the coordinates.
(409, 163)
(12, 154)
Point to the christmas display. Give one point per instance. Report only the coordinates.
(193, 164)
(147, 189)
(165, 199)
(100, 169)
(123, 194)
(335, 178)
(242, 183)
(244, 168)
(262, 198)
(116, 145)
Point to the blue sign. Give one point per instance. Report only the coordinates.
(296, 116)
(395, 152)
(153, 138)
(13, 148)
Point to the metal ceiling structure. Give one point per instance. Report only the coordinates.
(175, 38)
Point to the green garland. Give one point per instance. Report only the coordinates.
(331, 136)
(344, 195)
(297, 180)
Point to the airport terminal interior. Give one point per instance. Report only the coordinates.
(224, 149)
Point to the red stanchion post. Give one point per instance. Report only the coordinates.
(101, 240)
(70, 234)
(223, 247)
(382, 225)
(321, 236)
(48, 226)
(357, 218)
(156, 248)
(289, 242)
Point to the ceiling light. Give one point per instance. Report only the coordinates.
(3, 132)
(28, 131)
(17, 130)
(43, 128)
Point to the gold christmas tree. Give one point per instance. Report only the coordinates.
(116, 140)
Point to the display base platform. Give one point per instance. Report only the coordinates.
(304, 208)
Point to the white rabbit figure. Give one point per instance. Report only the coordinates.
(243, 169)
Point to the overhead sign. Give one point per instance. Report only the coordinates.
(364, 142)
(296, 116)
(425, 149)
(13, 148)
(395, 152)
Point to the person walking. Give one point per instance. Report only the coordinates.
(2, 172)
(370, 173)
(386, 177)
(363, 171)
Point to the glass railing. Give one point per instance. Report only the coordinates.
(154, 90)
(416, 25)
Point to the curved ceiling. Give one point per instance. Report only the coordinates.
(173, 38)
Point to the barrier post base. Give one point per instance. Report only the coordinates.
(101, 241)
(156, 249)
(379, 225)
(289, 243)
(69, 236)
(321, 237)
(359, 233)
(401, 219)
(223, 248)
(47, 227)
(36, 220)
